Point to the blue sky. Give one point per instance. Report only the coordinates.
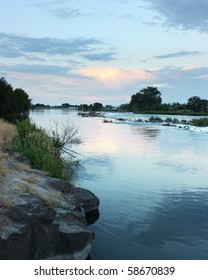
(80, 51)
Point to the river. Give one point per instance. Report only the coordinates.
(152, 181)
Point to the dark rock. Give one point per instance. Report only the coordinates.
(168, 124)
(60, 185)
(86, 199)
(15, 245)
(92, 216)
(32, 212)
(47, 218)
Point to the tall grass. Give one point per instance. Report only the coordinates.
(8, 132)
(43, 150)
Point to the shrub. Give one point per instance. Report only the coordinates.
(169, 120)
(200, 122)
(155, 119)
(44, 150)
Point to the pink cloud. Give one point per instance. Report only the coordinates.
(115, 77)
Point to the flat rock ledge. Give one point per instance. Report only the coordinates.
(42, 217)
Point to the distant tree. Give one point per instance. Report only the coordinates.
(92, 107)
(204, 105)
(108, 107)
(12, 101)
(65, 105)
(124, 107)
(197, 104)
(97, 106)
(147, 99)
(5, 97)
(83, 107)
(39, 105)
(194, 103)
(165, 107)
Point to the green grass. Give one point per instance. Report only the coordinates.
(42, 150)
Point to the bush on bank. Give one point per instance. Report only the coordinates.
(44, 151)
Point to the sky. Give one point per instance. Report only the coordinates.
(80, 51)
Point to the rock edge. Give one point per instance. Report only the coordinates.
(42, 217)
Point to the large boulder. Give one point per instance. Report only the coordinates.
(43, 217)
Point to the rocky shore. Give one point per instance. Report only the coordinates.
(42, 217)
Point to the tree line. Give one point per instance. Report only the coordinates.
(16, 101)
(150, 99)
(12, 101)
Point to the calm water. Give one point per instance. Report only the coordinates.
(152, 182)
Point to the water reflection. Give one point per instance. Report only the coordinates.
(148, 132)
(179, 217)
(177, 166)
(91, 168)
(152, 184)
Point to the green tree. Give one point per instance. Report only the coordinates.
(83, 107)
(197, 104)
(146, 99)
(12, 101)
(65, 105)
(97, 106)
(5, 97)
(20, 101)
(204, 105)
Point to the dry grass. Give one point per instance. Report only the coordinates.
(21, 166)
(8, 133)
(25, 187)
(4, 171)
(30, 180)
(50, 197)
(3, 155)
(5, 203)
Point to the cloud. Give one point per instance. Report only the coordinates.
(115, 79)
(9, 51)
(110, 85)
(100, 56)
(185, 14)
(177, 54)
(67, 13)
(113, 74)
(74, 9)
(180, 73)
(40, 69)
(44, 70)
(15, 45)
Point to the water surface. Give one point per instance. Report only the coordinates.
(152, 182)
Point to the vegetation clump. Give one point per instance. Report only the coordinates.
(44, 151)
(200, 122)
(173, 120)
(155, 119)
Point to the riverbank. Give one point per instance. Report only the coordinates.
(41, 217)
